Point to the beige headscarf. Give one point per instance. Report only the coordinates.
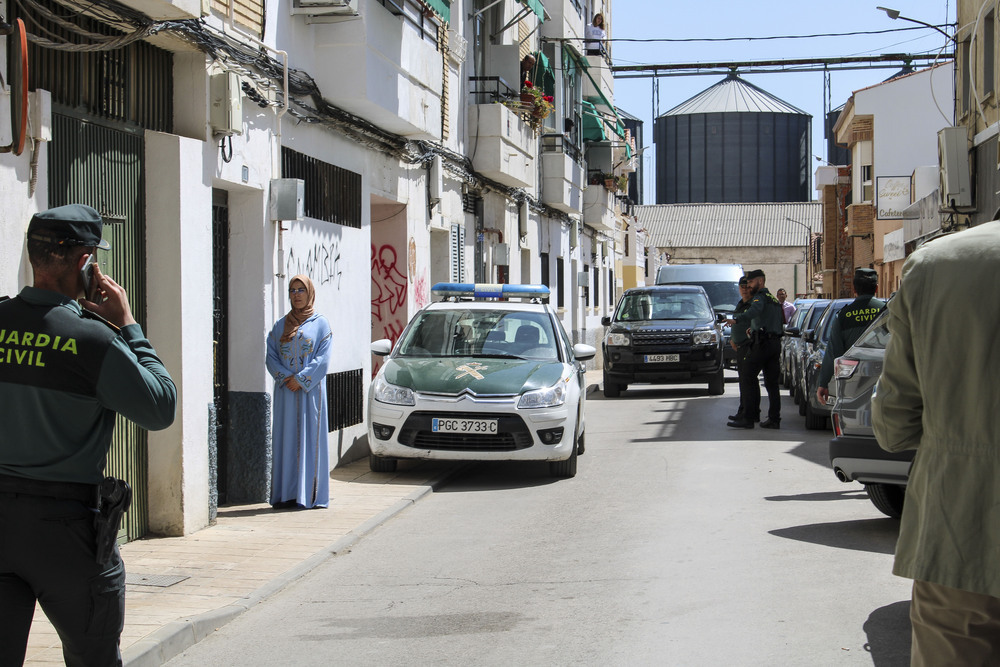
(296, 316)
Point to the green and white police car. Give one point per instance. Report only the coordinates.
(487, 374)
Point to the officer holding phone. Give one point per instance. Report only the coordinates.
(67, 367)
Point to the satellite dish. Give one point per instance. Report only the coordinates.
(18, 88)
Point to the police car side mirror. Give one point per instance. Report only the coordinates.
(583, 352)
(605, 321)
(792, 331)
(381, 347)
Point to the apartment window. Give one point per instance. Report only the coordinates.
(597, 287)
(415, 13)
(611, 287)
(989, 51)
(560, 302)
(867, 190)
(545, 269)
(586, 290)
(332, 193)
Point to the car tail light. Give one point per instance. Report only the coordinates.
(837, 431)
(844, 368)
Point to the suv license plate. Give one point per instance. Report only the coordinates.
(661, 358)
(464, 425)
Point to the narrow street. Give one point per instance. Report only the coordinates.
(679, 542)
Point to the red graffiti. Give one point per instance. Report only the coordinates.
(420, 292)
(388, 284)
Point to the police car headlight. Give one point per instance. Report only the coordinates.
(706, 337)
(618, 339)
(549, 397)
(383, 392)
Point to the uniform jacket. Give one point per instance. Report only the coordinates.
(63, 377)
(763, 314)
(739, 334)
(938, 394)
(847, 327)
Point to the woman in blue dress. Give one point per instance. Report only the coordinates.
(298, 354)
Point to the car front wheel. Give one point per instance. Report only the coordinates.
(887, 498)
(381, 464)
(565, 469)
(717, 385)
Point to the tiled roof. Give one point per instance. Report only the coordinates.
(729, 225)
(733, 94)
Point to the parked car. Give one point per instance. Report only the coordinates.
(854, 453)
(722, 284)
(816, 413)
(789, 339)
(477, 378)
(660, 334)
(796, 354)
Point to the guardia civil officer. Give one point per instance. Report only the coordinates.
(65, 371)
(848, 326)
(740, 340)
(763, 322)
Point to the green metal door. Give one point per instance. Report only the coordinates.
(100, 163)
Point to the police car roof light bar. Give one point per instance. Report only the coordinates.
(455, 291)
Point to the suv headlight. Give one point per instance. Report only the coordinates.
(618, 339)
(705, 337)
(549, 397)
(383, 392)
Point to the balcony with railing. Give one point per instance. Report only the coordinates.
(599, 82)
(598, 205)
(562, 174)
(502, 142)
(383, 65)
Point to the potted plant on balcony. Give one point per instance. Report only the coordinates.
(539, 105)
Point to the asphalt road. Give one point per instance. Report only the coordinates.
(679, 542)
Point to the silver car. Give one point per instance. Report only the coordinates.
(854, 452)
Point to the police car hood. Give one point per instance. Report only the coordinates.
(479, 375)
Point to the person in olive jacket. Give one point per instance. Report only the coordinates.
(848, 325)
(740, 341)
(938, 394)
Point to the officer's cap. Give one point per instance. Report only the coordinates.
(73, 224)
(756, 273)
(743, 281)
(866, 274)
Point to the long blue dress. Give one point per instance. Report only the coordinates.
(300, 468)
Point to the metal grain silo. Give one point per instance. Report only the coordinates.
(733, 143)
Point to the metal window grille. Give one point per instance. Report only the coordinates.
(133, 84)
(457, 242)
(545, 269)
(344, 399)
(559, 282)
(333, 193)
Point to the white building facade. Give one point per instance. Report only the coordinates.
(192, 127)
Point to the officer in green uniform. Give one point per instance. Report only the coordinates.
(848, 326)
(740, 340)
(763, 322)
(66, 369)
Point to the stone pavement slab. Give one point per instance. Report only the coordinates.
(180, 589)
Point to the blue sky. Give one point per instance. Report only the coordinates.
(642, 19)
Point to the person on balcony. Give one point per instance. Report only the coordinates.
(595, 36)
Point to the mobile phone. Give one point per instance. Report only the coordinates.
(90, 288)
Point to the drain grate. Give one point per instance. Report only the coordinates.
(160, 580)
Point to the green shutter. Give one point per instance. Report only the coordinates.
(535, 6)
(442, 7)
(593, 124)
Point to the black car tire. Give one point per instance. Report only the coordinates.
(887, 498)
(717, 384)
(565, 469)
(612, 389)
(801, 400)
(381, 463)
(814, 420)
(581, 445)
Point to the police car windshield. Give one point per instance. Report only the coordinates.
(480, 333)
(644, 306)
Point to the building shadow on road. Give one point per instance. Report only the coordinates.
(888, 630)
(856, 493)
(872, 535)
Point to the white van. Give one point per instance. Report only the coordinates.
(720, 281)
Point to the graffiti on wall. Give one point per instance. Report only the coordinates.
(321, 262)
(388, 296)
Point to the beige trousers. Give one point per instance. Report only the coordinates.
(952, 627)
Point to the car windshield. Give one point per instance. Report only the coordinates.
(815, 314)
(876, 336)
(723, 295)
(663, 306)
(480, 333)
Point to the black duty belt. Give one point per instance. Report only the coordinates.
(85, 493)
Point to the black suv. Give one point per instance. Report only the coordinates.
(661, 334)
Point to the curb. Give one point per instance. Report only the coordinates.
(174, 638)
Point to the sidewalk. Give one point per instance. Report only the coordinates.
(181, 589)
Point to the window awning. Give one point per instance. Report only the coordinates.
(442, 8)
(542, 74)
(593, 123)
(535, 6)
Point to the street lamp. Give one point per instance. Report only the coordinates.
(894, 14)
(808, 260)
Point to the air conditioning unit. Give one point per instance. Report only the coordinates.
(325, 7)
(953, 159)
